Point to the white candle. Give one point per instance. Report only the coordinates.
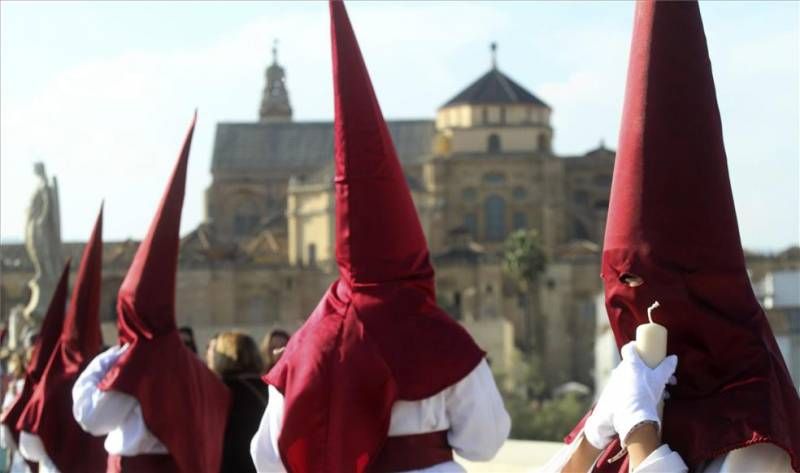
(651, 340)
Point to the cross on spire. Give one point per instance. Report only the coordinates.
(493, 49)
(275, 106)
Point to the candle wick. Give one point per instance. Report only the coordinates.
(650, 310)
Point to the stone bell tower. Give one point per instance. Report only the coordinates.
(275, 106)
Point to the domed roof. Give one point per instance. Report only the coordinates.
(495, 88)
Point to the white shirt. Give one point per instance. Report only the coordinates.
(31, 447)
(471, 411)
(14, 389)
(761, 458)
(111, 413)
(18, 464)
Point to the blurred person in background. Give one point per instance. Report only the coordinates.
(272, 347)
(235, 357)
(187, 337)
(15, 380)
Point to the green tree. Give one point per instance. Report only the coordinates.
(524, 261)
(551, 419)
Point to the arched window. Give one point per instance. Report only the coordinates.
(495, 208)
(494, 178)
(245, 218)
(471, 224)
(312, 254)
(579, 231)
(457, 305)
(520, 221)
(493, 143)
(272, 203)
(580, 197)
(602, 180)
(543, 142)
(601, 205)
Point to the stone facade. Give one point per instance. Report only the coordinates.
(481, 168)
(484, 168)
(243, 291)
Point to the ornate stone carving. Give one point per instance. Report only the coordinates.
(43, 242)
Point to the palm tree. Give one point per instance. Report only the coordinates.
(524, 261)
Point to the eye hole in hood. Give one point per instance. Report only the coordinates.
(631, 280)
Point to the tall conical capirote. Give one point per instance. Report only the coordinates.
(81, 335)
(378, 234)
(377, 335)
(672, 223)
(157, 369)
(48, 414)
(50, 330)
(146, 302)
(42, 350)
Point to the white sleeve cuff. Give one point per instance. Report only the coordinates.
(662, 460)
(625, 425)
(7, 438)
(560, 459)
(596, 435)
(31, 447)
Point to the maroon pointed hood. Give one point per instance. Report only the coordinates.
(42, 350)
(378, 234)
(672, 222)
(51, 328)
(671, 194)
(157, 369)
(48, 414)
(146, 303)
(377, 336)
(81, 336)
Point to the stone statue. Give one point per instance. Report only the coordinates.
(43, 242)
(18, 326)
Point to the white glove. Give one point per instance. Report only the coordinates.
(108, 358)
(630, 398)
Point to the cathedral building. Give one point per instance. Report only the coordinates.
(484, 164)
(480, 168)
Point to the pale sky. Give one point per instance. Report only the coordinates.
(103, 92)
